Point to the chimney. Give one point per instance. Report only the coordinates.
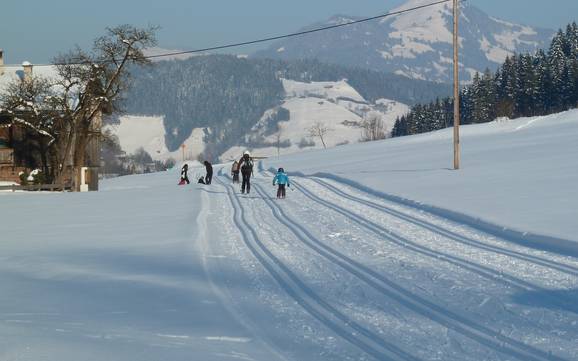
(1, 62)
(27, 70)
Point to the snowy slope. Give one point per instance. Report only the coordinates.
(336, 105)
(148, 132)
(416, 44)
(520, 173)
(147, 270)
(121, 279)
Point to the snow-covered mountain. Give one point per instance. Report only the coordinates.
(417, 44)
(337, 105)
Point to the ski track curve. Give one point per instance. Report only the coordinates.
(458, 323)
(564, 268)
(332, 318)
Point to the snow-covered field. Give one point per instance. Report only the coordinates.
(148, 132)
(147, 270)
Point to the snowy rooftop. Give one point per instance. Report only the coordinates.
(9, 73)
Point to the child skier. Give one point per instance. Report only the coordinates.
(282, 180)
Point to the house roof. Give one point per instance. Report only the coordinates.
(11, 73)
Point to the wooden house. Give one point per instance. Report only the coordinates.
(19, 147)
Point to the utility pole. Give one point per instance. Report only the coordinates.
(456, 90)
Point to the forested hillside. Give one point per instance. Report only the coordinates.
(229, 94)
(526, 85)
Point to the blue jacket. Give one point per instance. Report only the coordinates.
(281, 178)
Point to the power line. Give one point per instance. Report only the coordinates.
(290, 35)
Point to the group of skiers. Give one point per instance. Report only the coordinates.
(244, 167)
(203, 180)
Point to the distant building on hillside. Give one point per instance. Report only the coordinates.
(19, 150)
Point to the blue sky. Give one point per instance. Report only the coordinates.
(37, 30)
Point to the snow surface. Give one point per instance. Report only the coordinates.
(324, 89)
(12, 73)
(147, 270)
(494, 53)
(424, 24)
(520, 173)
(148, 132)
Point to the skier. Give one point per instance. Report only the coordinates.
(184, 176)
(246, 166)
(235, 172)
(281, 179)
(209, 169)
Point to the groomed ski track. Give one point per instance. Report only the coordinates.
(329, 246)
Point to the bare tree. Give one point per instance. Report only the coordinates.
(373, 127)
(93, 83)
(86, 86)
(24, 101)
(319, 130)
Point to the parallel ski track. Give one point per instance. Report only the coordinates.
(483, 271)
(338, 322)
(570, 270)
(422, 306)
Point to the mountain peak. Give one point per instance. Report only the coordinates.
(339, 19)
(416, 44)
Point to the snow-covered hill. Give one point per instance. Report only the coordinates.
(148, 132)
(416, 44)
(335, 104)
(345, 268)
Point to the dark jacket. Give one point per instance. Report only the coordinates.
(184, 170)
(208, 167)
(246, 165)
